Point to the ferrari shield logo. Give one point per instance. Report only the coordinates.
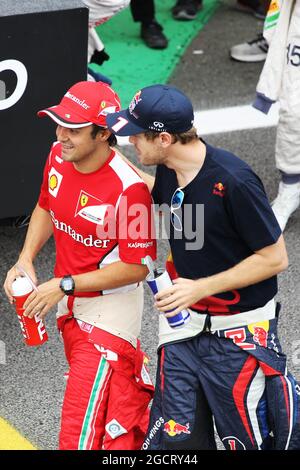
(83, 200)
(91, 208)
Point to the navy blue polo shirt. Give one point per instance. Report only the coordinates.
(238, 221)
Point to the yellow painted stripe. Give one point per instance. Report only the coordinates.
(10, 439)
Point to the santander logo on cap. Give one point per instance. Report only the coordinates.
(84, 103)
(81, 103)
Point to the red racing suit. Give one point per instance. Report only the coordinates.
(108, 391)
(109, 388)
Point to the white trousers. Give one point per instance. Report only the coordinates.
(99, 12)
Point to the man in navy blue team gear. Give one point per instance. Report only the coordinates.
(227, 361)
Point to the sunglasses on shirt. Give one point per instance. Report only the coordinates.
(176, 203)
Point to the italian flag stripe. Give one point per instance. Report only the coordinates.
(87, 431)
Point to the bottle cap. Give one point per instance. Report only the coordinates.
(21, 286)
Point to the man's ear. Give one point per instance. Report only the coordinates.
(103, 135)
(165, 139)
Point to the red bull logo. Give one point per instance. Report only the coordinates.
(260, 336)
(173, 429)
(260, 332)
(135, 100)
(219, 189)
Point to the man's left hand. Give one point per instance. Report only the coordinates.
(182, 294)
(40, 302)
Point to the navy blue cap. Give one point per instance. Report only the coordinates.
(160, 108)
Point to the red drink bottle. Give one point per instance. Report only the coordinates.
(33, 329)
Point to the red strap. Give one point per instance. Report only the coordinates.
(62, 320)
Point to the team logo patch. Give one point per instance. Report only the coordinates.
(173, 429)
(83, 200)
(115, 429)
(106, 110)
(219, 189)
(233, 443)
(145, 373)
(274, 7)
(85, 326)
(260, 332)
(160, 125)
(135, 100)
(54, 181)
(91, 208)
(239, 336)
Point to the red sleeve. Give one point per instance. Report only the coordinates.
(44, 193)
(135, 225)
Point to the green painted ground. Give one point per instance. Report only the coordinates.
(132, 65)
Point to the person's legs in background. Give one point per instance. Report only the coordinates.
(186, 9)
(257, 7)
(287, 149)
(151, 31)
(255, 50)
(100, 11)
(288, 198)
(96, 55)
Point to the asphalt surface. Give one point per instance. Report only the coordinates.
(32, 383)
(15, 7)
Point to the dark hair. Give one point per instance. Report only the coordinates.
(182, 137)
(112, 140)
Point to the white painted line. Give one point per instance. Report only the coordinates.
(236, 118)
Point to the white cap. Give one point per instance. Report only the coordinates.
(21, 286)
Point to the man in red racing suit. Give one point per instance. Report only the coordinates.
(99, 212)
